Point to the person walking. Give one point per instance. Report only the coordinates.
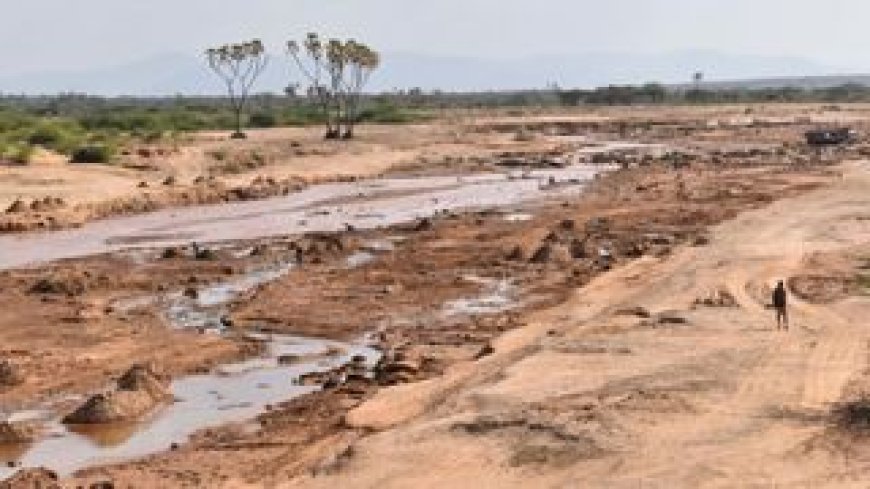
(780, 299)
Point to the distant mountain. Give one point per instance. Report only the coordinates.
(171, 74)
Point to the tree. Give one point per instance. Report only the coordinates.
(361, 61)
(337, 72)
(238, 66)
(570, 98)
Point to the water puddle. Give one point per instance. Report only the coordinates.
(311, 210)
(235, 392)
(518, 217)
(498, 296)
(359, 259)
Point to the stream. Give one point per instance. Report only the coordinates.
(238, 392)
(328, 207)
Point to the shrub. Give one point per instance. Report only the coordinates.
(17, 153)
(263, 120)
(93, 153)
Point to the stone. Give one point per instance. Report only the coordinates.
(516, 254)
(542, 254)
(12, 432)
(112, 407)
(10, 374)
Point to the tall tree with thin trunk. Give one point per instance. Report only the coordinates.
(362, 61)
(238, 66)
(337, 72)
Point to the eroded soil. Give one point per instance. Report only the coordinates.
(619, 337)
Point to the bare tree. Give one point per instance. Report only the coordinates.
(238, 66)
(337, 72)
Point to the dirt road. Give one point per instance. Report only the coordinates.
(596, 394)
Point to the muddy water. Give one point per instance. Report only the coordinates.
(233, 393)
(329, 207)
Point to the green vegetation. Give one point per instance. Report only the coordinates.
(94, 129)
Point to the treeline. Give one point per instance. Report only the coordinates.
(651, 93)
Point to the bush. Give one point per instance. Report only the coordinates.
(46, 136)
(93, 153)
(17, 153)
(263, 120)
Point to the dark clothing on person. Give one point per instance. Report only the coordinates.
(779, 303)
(779, 298)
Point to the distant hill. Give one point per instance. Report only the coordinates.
(171, 74)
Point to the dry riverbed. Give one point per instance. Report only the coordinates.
(393, 306)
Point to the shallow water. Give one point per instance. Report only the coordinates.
(318, 208)
(498, 295)
(233, 393)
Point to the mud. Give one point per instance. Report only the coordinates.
(441, 289)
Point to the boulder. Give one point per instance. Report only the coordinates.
(139, 390)
(543, 254)
(17, 207)
(578, 249)
(10, 374)
(424, 224)
(112, 407)
(145, 378)
(15, 432)
(516, 254)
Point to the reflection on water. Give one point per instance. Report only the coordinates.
(109, 435)
(232, 393)
(238, 392)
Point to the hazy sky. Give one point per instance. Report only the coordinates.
(69, 34)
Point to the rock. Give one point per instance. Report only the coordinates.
(12, 432)
(170, 253)
(424, 224)
(145, 378)
(112, 407)
(670, 317)
(567, 224)
(358, 359)
(200, 253)
(659, 239)
(259, 250)
(104, 484)
(717, 298)
(191, 293)
(578, 249)
(636, 311)
(10, 374)
(38, 478)
(516, 254)
(289, 359)
(597, 224)
(139, 391)
(486, 351)
(408, 366)
(701, 241)
(50, 285)
(170, 181)
(542, 255)
(16, 207)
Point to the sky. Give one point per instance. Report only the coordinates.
(47, 35)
